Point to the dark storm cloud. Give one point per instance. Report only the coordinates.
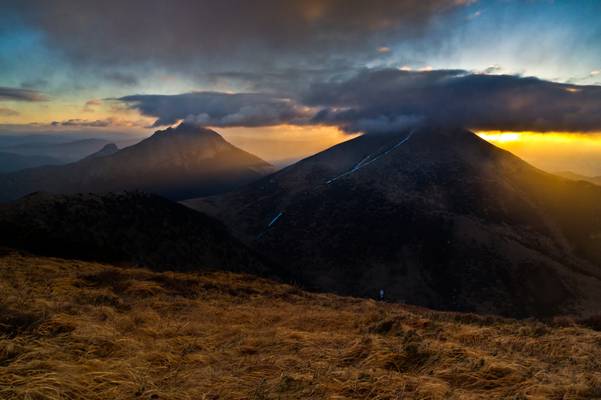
(183, 34)
(121, 78)
(18, 94)
(219, 109)
(381, 98)
(389, 99)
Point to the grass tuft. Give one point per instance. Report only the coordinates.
(76, 330)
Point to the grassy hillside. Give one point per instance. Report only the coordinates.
(71, 330)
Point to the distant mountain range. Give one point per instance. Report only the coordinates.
(15, 156)
(577, 177)
(64, 151)
(178, 163)
(431, 216)
(10, 162)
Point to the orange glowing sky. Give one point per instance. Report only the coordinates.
(288, 88)
(552, 151)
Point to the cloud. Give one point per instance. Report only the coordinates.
(493, 69)
(7, 112)
(121, 78)
(383, 100)
(35, 84)
(474, 15)
(456, 98)
(90, 105)
(83, 123)
(184, 34)
(18, 94)
(220, 109)
(98, 123)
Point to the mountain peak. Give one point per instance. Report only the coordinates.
(107, 150)
(188, 129)
(431, 216)
(179, 163)
(110, 147)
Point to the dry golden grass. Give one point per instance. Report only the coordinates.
(71, 330)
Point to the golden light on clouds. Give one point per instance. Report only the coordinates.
(75, 114)
(552, 151)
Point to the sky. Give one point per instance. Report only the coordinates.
(289, 78)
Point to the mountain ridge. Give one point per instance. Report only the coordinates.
(440, 218)
(131, 228)
(11, 162)
(178, 163)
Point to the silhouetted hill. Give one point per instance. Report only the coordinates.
(433, 217)
(177, 163)
(132, 228)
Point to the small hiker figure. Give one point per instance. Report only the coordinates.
(381, 294)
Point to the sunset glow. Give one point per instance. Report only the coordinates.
(552, 151)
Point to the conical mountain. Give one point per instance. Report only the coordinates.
(178, 163)
(107, 150)
(430, 216)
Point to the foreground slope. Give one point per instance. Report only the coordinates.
(177, 163)
(431, 216)
(80, 330)
(131, 227)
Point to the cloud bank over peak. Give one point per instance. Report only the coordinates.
(220, 109)
(385, 100)
(457, 98)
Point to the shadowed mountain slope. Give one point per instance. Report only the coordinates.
(434, 217)
(131, 228)
(177, 163)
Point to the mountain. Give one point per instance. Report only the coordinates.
(577, 177)
(68, 151)
(15, 139)
(107, 150)
(132, 228)
(435, 217)
(178, 163)
(10, 162)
